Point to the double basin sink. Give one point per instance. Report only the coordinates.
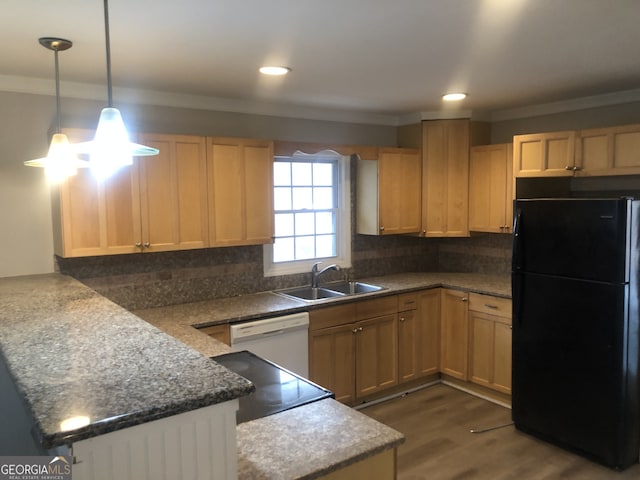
(329, 290)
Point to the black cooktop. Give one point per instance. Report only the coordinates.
(277, 389)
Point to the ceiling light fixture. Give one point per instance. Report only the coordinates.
(454, 97)
(61, 160)
(272, 70)
(111, 148)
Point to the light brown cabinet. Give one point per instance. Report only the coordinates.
(221, 333)
(445, 178)
(159, 203)
(454, 340)
(490, 343)
(418, 334)
(491, 188)
(608, 151)
(240, 175)
(353, 347)
(544, 154)
(388, 193)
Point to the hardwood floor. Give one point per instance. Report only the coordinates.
(439, 446)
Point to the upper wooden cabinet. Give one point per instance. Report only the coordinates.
(388, 193)
(445, 178)
(608, 151)
(240, 173)
(491, 188)
(173, 193)
(544, 154)
(157, 204)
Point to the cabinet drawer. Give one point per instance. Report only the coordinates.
(331, 316)
(407, 301)
(490, 305)
(376, 307)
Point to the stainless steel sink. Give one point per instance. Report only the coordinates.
(309, 294)
(352, 288)
(330, 290)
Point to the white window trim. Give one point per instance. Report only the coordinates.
(343, 241)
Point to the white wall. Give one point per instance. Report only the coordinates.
(26, 244)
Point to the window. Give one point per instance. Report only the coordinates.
(311, 213)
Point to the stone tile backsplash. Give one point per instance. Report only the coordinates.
(148, 280)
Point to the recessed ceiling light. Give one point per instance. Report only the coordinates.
(270, 70)
(453, 97)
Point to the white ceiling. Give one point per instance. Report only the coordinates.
(384, 60)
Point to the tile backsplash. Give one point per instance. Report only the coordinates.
(148, 280)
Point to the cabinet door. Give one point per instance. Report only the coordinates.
(454, 334)
(399, 190)
(544, 154)
(376, 354)
(240, 191)
(490, 192)
(608, 151)
(482, 348)
(445, 178)
(332, 360)
(96, 218)
(173, 189)
(419, 337)
(502, 357)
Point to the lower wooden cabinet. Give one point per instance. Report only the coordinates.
(490, 342)
(454, 339)
(362, 348)
(418, 334)
(219, 332)
(352, 352)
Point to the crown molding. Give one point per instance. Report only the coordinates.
(582, 103)
(86, 91)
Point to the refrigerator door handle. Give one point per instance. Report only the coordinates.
(517, 223)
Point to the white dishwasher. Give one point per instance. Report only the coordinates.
(283, 340)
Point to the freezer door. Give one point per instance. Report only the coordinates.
(575, 359)
(576, 238)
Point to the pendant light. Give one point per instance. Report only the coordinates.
(61, 160)
(111, 148)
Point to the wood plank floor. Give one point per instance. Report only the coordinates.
(436, 423)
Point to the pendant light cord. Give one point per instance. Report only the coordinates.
(108, 49)
(58, 122)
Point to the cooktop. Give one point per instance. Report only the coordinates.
(277, 389)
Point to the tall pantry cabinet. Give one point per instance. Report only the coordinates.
(445, 175)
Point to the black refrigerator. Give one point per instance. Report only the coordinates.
(575, 325)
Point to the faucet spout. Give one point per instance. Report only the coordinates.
(315, 273)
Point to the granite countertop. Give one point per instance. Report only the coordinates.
(179, 320)
(309, 441)
(72, 352)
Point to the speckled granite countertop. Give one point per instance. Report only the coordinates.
(72, 352)
(178, 320)
(309, 441)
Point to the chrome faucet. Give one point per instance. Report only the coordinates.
(315, 273)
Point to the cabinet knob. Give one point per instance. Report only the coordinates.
(355, 330)
(382, 229)
(138, 245)
(402, 319)
(464, 299)
(360, 329)
(147, 244)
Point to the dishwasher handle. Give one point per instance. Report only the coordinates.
(244, 332)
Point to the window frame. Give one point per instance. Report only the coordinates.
(343, 226)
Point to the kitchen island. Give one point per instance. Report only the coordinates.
(71, 354)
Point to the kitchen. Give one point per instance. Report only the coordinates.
(234, 270)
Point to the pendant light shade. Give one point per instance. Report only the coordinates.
(61, 160)
(111, 149)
